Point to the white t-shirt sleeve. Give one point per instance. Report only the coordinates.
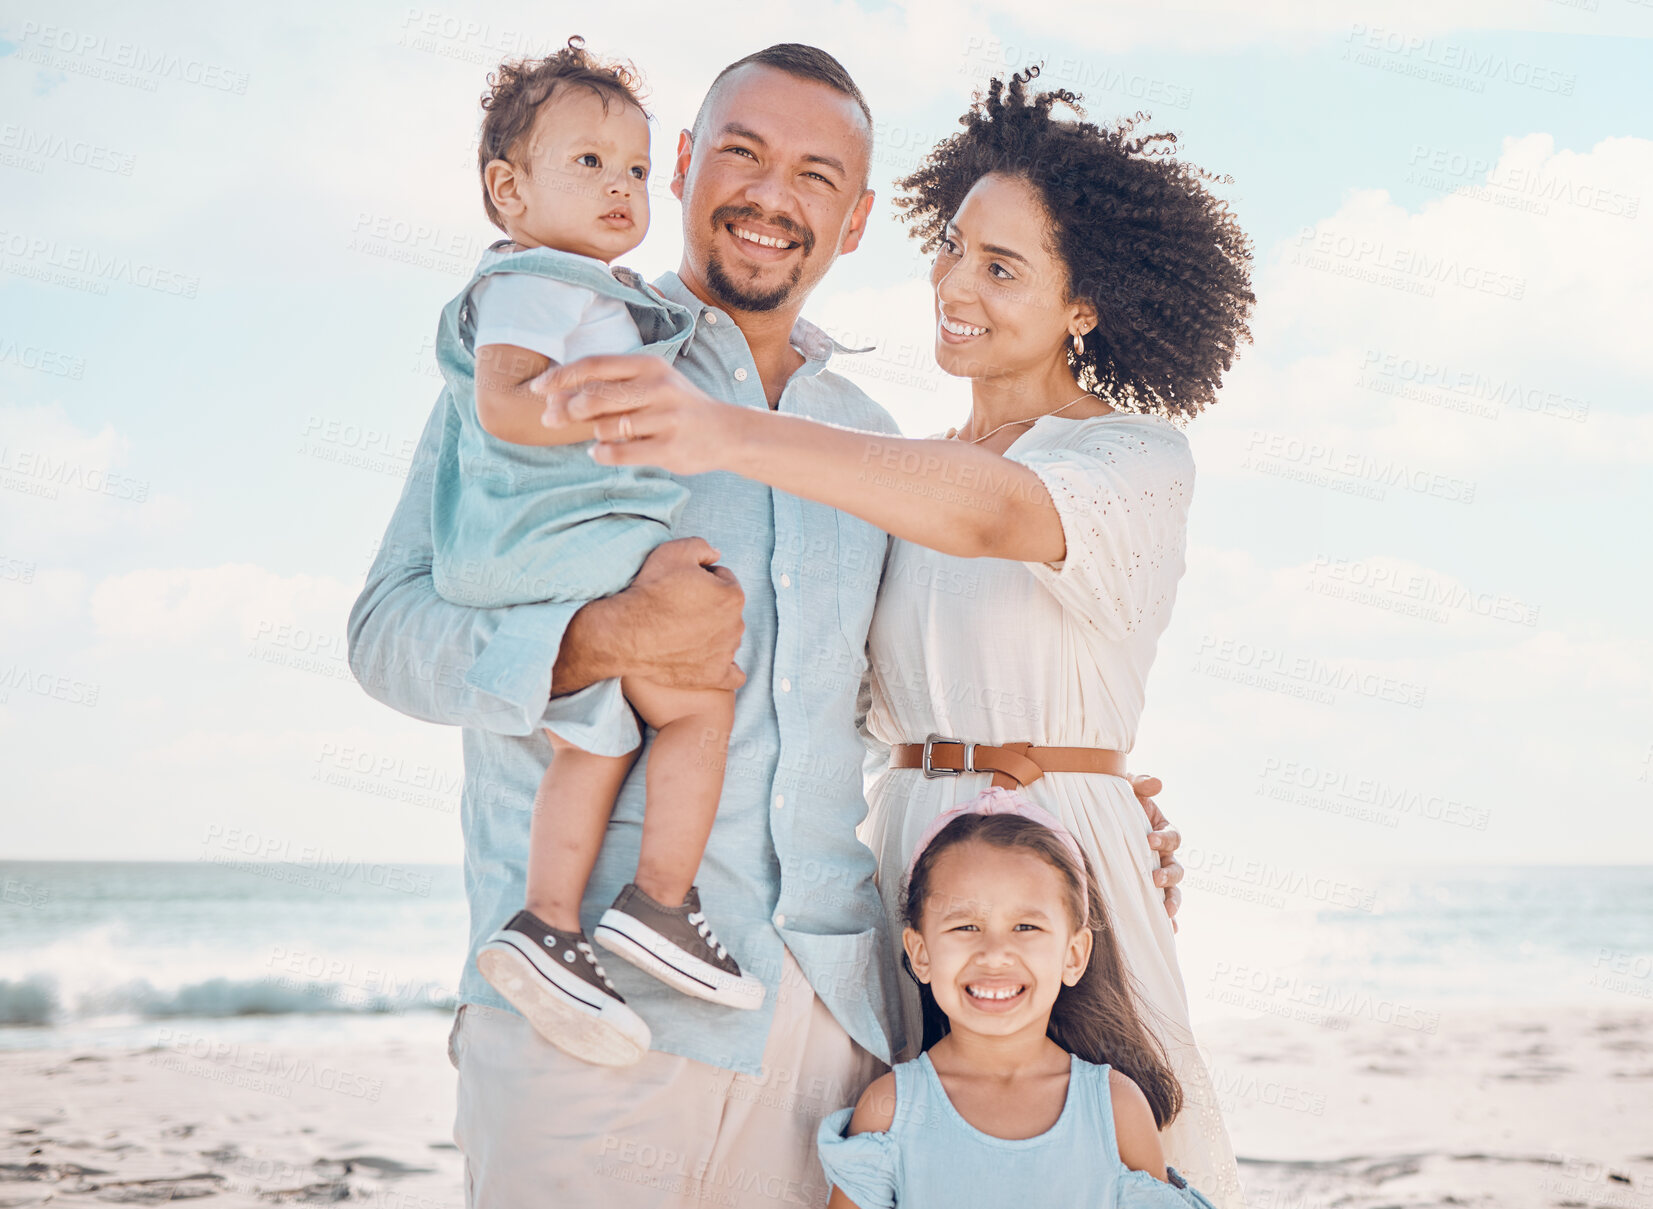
(542, 314)
(1122, 490)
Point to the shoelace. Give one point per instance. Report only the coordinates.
(705, 930)
(597, 965)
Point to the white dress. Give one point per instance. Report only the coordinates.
(994, 651)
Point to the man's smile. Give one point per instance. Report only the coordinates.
(768, 241)
(760, 244)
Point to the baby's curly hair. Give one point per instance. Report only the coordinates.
(518, 87)
(1162, 260)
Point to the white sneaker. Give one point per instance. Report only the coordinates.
(676, 945)
(553, 979)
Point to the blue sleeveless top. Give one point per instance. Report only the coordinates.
(514, 524)
(932, 1158)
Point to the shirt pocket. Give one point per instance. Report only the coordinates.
(861, 549)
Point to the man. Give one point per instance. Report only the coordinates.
(773, 184)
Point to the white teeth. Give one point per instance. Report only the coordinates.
(765, 240)
(961, 329)
(996, 993)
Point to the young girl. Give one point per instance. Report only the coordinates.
(521, 513)
(1039, 1082)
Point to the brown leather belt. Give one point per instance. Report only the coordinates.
(1018, 764)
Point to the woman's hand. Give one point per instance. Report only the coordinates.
(645, 413)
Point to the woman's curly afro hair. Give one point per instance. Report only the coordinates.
(1162, 260)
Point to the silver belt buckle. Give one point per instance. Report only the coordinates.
(931, 772)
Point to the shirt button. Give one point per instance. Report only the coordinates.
(780, 920)
(786, 685)
(740, 374)
(786, 580)
(780, 800)
(711, 316)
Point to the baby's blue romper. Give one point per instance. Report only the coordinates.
(932, 1158)
(514, 524)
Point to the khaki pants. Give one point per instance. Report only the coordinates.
(539, 1128)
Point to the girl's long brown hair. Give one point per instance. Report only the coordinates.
(1098, 1018)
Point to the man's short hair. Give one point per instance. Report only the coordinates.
(800, 60)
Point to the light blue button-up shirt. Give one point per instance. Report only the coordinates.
(783, 866)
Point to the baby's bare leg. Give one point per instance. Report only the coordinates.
(685, 779)
(571, 813)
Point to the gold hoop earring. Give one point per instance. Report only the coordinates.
(1078, 345)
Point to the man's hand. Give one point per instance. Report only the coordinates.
(1164, 839)
(678, 624)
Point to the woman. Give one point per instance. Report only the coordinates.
(1091, 289)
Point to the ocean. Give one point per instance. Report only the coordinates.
(104, 952)
(112, 953)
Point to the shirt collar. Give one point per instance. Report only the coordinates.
(816, 346)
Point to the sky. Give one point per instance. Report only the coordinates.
(1413, 627)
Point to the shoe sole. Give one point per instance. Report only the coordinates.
(614, 933)
(558, 1015)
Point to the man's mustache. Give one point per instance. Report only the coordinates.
(728, 214)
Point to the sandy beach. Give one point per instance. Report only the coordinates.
(232, 1123)
(1504, 1107)
(1543, 1106)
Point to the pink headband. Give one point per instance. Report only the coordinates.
(1003, 801)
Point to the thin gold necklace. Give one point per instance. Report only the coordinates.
(953, 433)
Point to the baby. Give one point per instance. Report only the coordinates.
(521, 513)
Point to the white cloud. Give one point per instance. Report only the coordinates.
(219, 697)
(1206, 25)
(1544, 252)
(30, 594)
(1497, 326)
(68, 487)
(217, 606)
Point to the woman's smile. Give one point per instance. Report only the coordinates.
(954, 331)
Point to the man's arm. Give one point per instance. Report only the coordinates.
(493, 668)
(678, 624)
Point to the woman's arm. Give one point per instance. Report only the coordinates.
(956, 498)
(947, 495)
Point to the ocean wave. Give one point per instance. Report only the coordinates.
(39, 1000)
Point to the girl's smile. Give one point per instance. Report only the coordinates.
(994, 997)
(996, 943)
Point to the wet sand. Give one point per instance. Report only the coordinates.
(1541, 1107)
